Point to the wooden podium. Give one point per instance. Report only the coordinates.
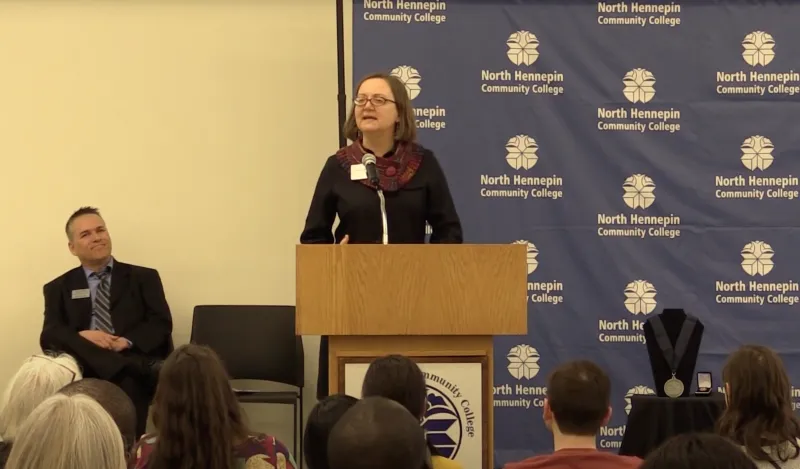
(440, 304)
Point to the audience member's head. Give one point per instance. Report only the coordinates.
(397, 378)
(759, 411)
(377, 433)
(114, 400)
(578, 399)
(39, 377)
(320, 422)
(197, 417)
(67, 432)
(697, 451)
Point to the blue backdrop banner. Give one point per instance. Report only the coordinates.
(642, 151)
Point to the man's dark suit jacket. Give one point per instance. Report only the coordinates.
(139, 313)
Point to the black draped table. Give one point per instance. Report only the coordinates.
(654, 419)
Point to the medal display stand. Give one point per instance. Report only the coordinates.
(673, 344)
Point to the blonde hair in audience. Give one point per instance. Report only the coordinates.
(67, 432)
(39, 377)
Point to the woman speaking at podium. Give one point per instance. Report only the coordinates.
(384, 186)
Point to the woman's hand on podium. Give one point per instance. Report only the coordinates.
(345, 240)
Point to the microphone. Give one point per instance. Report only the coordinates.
(369, 161)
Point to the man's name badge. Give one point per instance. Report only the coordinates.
(78, 294)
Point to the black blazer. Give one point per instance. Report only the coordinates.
(139, 313)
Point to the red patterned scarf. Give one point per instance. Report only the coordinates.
(394, 170)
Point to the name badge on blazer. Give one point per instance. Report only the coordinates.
(78, 294)
(358, 172)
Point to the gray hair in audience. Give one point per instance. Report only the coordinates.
(39, 377)
(114, 400)
(377, 433)
(68, 432)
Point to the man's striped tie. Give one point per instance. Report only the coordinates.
(102, 303)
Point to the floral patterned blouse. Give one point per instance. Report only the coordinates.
(258, 452)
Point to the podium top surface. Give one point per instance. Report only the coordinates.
(412, 289)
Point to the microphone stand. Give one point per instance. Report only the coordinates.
(383, 216)
(368, 161)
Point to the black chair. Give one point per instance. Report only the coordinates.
(257, 343)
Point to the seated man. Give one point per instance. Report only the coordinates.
(576, 406)
(112, 317)
(377, 433)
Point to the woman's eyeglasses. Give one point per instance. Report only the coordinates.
(376, 101)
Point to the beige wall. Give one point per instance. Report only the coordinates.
(198, 128)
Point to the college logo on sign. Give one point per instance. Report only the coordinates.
(639, 86)
(442, 423)
(758, 51)
(640, 297)
(521, 152)
(639, 191)
(759, 48)
(643, 390)
(757, 153)
(448, 420)
(548, 291)
(757, 258)
(427, 116)
(410, 77)
(523, 362)
(523, 48)
(530, 257)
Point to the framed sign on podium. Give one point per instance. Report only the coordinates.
(458, 390)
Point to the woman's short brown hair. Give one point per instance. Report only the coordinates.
(406, 128)
(759, 412)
